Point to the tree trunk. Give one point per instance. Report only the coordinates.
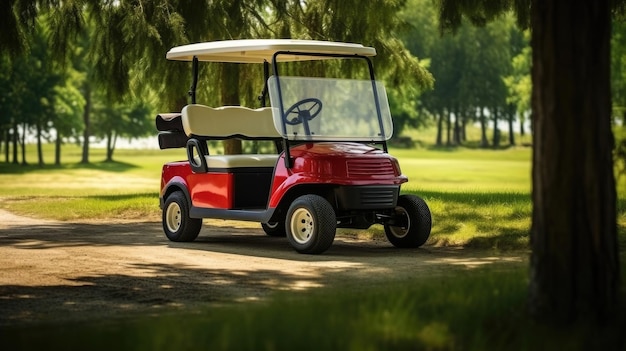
(23, 144)
(574, 266)
(39, 146)
(230, 96)
(464, 129)
(57, 149)
(15, 140)
(496, 130)
(511, 119)
(111, 140)
(87, 123)
(439, 141)
(448, 128)
(7, 145)
(484, 143)
(457, 128)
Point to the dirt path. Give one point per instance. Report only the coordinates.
(54, 272)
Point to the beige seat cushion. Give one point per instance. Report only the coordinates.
(228, 121)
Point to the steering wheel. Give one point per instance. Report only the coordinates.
(302, 114)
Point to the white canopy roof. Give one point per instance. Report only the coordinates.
(261, 50)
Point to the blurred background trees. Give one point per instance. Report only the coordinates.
(111, 53)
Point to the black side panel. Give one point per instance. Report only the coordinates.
(252, 189)
(170, 140)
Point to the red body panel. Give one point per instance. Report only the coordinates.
(209, 190)
(313, 163)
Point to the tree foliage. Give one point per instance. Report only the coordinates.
(468, 68)
(128, 40)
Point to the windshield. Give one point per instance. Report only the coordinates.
(307, 108)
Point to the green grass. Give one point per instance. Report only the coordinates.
(127, 188)
(478, 198)
(480, 309)
(466, 170)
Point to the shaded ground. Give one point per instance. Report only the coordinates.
(56, 272)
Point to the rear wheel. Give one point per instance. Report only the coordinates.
(177, 224)
(274, 228)
(311, 224)
(412, 222)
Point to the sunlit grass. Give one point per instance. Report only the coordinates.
(466, 170)
(131, 206)
(494, 220)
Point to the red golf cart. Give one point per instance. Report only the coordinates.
(330, 167)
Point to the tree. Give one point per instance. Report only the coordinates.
(519, 84)
(574, 269)
(29, 94)
(576, 242)
(6, 135)
(112, 120)
(468, 70)
(68, 107)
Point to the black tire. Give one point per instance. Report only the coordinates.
(311, 224)
(414, 214)
(177, 224)
(276, 229)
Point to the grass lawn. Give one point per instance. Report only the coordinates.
(478, 198)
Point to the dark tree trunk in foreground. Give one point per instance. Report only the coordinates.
(574, 261)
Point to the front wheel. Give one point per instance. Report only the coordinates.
(311, 224)
(177, 224)
(411, 222)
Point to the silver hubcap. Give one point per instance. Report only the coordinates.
(302, 225)
(173, 217)
(400, 232)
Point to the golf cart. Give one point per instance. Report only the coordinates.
(331, 168)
